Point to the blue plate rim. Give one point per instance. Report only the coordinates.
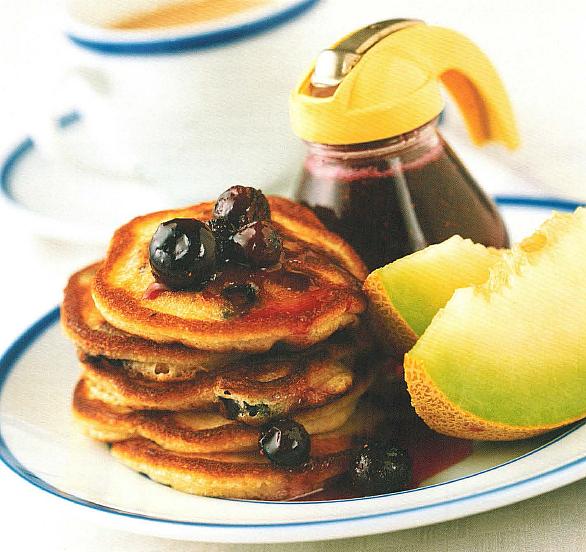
(20, 346)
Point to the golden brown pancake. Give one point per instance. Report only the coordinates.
(252, 391)
(87, 328)
(313, 292)
(197, 431)
(202, 432)
(249, 474)
(229, 475)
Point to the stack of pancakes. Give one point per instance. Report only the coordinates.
(182, 382)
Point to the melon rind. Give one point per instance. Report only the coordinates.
(405, 295)
(507, 359)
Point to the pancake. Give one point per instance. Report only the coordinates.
(252, 391)
(88, 329)
(196, 431)
(314, 291)
(249, 474)
(229, 475)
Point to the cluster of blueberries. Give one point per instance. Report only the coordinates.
(184, 253)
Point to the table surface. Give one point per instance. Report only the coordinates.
(34, 269)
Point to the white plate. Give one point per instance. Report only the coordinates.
(39, 443)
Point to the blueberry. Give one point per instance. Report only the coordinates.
(381, 468)
(285, 443)
(257, 244)
(182, 253)
(241, 295)
(240, 205)
(222, 231)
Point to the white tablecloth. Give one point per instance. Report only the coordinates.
(33, 270)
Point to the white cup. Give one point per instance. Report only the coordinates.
(193, 109)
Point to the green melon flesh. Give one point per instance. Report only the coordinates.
(420, 284)
(513, 350)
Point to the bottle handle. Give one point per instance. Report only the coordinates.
(469, 77)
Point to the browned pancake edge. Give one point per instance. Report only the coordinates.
(297, 319)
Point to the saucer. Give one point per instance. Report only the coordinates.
(64, 200)
(58, 199)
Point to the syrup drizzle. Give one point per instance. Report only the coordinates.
(430, 453)
(243, 289)
(154, 290)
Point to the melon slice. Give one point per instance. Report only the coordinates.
(507, 359)
(405, 295)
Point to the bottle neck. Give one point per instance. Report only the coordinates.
(408, 146)
(381, 159)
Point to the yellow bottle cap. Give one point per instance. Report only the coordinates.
(384, 80)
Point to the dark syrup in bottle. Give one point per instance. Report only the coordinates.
(393, 197)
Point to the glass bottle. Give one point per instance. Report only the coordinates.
(392, 197)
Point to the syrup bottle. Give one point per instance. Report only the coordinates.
(377, 171)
